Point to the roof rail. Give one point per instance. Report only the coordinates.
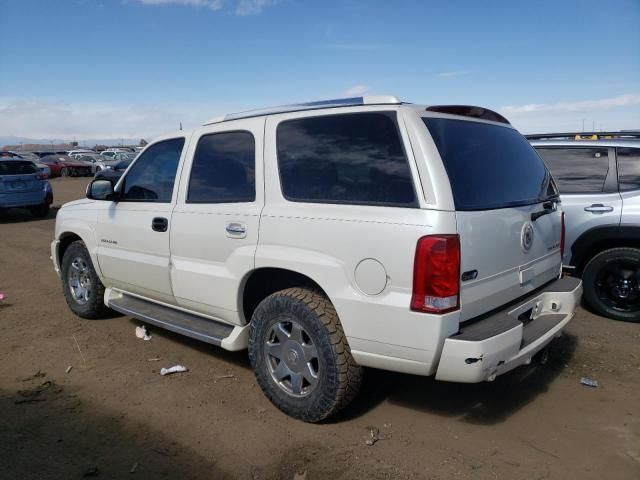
(298, 107)
(585, 135)
(469, 111)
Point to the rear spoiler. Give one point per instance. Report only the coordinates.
(469, 111)
(584, 135)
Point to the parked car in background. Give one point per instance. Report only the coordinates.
(79, 152)
(100, 162)
(22, 185)
(114, 172)
(329, 236)
(598, 175)
(65, 166)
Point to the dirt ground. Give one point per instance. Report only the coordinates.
(113, 416)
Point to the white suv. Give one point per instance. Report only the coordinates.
(329, 236)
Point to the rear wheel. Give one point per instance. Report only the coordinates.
(40, 211)
(82, 287)
(64, 172)
(300, 355)
(611, 283)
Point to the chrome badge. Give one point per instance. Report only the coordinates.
(527, 236)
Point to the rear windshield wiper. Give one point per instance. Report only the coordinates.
(549, 207)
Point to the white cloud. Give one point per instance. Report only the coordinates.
(39, 119)
(580, 106)
(356, 91)
(238, 7)
(453, 74)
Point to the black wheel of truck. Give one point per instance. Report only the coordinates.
(300, 355)
(40, 211)
(611, 282)
(82, 288)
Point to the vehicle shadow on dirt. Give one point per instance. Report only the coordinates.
(50, 432)
(484, 403)
(20, 215)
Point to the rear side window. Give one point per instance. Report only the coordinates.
(628, 169)
(152, 177)
(224, 169)
(577, 170)
(353, 158)
(17, 167)
(489, 166)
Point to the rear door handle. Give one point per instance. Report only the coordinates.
(160, 224)
(598, 208)
(236, 230)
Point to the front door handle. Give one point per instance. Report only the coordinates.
(598, 208)
(160, 224)
(236, 230)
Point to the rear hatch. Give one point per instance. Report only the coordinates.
(19, 176)
(507, 212)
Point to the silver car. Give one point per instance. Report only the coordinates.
(599, 182)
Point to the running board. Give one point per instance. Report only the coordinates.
(169, 318)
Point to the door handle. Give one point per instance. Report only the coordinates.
(159, 224)
(236, 230)
(598, 208)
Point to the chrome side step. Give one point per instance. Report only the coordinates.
(168, 318)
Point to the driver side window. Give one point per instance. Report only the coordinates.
(152, 176)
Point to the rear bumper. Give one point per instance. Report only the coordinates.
(501, 342)
(22, 199)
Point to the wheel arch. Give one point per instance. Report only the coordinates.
(598, 239)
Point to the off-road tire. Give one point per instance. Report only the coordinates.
(339, 377)
(94, 307)
(589, 277)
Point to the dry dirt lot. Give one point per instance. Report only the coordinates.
(113, 413)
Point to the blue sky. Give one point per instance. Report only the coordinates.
(114, 68)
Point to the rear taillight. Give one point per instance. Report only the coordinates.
(436, 274)
(41, 176)
(562, 234)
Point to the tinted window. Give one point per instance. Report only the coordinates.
(354, 158)
(152, 177)
(16, 167)
(577, 170)
(629, 169)
(489, 166)
(224, 169)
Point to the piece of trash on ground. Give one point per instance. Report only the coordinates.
(374, 436)
(133, 468)
(222, 377)
(174, 369)
(68, 369)
(154, 359)
(2, 297)
(300, 475)
(141, 332)
(589, 382)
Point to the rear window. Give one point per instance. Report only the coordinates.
(15, 167)
(489, 166)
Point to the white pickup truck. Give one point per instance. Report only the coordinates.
(329, 236)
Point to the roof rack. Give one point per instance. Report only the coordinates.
(469, 111)
(298, 107)
(585, 135)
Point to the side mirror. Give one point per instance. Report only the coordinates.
(102, 189)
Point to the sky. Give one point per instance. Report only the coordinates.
(137, 68)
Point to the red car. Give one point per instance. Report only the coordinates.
(65, 166)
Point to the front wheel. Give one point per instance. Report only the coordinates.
(611, 282)
(82, 287)
(300, 355)
(64, 172)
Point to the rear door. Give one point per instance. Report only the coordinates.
(498, 181)
(586, 177)
(215, 222)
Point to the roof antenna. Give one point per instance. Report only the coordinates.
(180, 126)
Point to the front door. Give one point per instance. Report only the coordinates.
(133, 233)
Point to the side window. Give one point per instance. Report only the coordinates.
(152, 176)
(224, 169)
(628, 169)
(577, 170)
(353, 158)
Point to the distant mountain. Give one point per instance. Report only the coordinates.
(90, 142)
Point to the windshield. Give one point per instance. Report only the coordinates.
(489, 166)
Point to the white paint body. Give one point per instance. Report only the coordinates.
(361, 256)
